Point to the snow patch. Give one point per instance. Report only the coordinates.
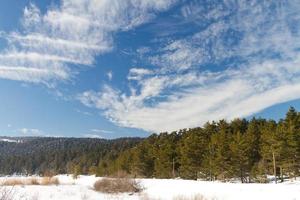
(10, 140)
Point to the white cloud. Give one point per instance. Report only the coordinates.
(101, 131)
(240, 93)
(109, 75)
(263, 43)
(74, 33)
(138, 73)
(270, 28)
(179, 56)
(97, 133)
(29, 74)
(31, 132)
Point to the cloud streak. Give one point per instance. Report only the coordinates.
(260, 39)
(50, 46)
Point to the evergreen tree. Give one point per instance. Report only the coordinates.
(193, 147)
(165, 163)
(240, 160)
(270, 147)
(220, 147)
(253, 141)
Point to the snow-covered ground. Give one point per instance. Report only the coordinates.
(82, 189)
(10, 140)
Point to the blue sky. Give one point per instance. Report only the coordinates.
(112, 68)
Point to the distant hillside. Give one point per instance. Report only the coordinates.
(39, 155)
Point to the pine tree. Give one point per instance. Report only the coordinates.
(270, 146)
(240, 161)
(165, 155)
(287, 132)
(220, 149)
(142, 160)
(208, 166)
(192, 150)
(253, 141)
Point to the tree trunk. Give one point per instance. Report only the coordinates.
(210, 164)
(173, 168)
(274, 165)
(241, 176)
(281, 174)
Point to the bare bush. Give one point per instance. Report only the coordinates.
(118, 185)
(12, 182)
(32, 181)
(49, 181)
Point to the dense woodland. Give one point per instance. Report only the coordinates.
(248, 150)
(49, 156)
(245, 149)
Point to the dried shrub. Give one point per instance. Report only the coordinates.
(49, 181)
(20, 181)
(31, 181)
(13, 182)
(118, 185)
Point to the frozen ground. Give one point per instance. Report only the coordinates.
(81, 189)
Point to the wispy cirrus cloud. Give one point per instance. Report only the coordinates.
(49, 45)
(101, 131)
(254, 47)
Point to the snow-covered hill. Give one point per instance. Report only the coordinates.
(10, 140)
(82, 189)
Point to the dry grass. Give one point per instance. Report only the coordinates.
(49, 181)
(118, 185)
(33, 181)
(30, 181)
(12, 182)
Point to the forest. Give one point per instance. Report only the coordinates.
(247, 150)
(50, 156)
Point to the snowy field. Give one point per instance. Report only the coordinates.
(82, 189)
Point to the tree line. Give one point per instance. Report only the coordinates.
(245, 149)
(50, 156)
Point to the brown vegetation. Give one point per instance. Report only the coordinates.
(117, 185)
(31, 181)
(49, 181)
